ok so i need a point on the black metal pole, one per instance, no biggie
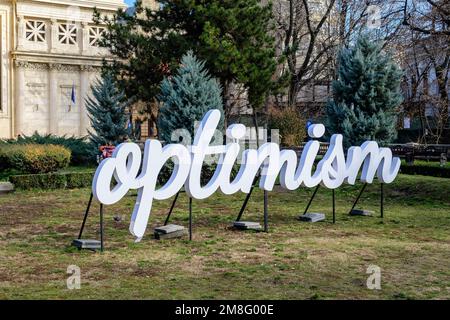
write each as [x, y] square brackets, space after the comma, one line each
[334, 206]
[171, 208]
[244, 205]
[266, 211]
[382, 200]
[190, 219]
[312, 198]
[357, 198]
[101, 227]
[85, 215]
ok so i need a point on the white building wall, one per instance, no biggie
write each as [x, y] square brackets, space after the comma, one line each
[36, 113]
[48, 48]
[5, 70]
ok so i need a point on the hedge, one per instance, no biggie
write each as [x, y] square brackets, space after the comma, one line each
[426, 170]
[52, 180]
[34, 158]
[82, 151]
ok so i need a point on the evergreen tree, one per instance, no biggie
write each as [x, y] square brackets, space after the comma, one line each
[107, 112]
[366, 95]
[233, 37]
[186, 97]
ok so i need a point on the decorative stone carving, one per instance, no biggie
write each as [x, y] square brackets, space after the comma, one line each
[21, 64]
[89, 68]
[35, 30]
[63, 67]
[95, 34]
[67, 33]
[55, 66]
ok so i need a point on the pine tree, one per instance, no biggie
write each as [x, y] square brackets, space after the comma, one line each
[107, 112]
[186, 97]
[366, 95]
[234, 38]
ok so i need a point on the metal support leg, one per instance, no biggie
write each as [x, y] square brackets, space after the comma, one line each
[190, 219]
[381, 200]
[334, 206]
[312, 198]
[85, 216]
[101, 227]
[357, 198]
[171, 208]
[244, 205]
[266, 211]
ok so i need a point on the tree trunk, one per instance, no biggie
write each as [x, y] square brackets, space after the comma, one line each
[444, 96]
[226, 103]
[342, 21]
[292, 94]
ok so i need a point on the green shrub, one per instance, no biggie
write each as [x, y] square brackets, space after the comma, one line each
[79, 179]
[426, 169]
[34, 158]
[81, 150]
[291, 126]
[52, 180]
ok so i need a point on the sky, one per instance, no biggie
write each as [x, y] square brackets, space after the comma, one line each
[129, 2]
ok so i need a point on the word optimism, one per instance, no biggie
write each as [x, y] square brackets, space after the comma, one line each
[332, 171]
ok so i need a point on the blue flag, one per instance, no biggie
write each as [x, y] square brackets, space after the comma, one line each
[73, 94]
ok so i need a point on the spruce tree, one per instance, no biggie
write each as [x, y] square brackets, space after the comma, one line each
[186, 97]
[107, 111]
[366, 95]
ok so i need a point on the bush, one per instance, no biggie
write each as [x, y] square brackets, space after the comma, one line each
[426, 169]
[81, 150]
[291, 126]
[52, 180]
[34, 158]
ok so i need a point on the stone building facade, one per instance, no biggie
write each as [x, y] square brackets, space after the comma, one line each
[49, 58]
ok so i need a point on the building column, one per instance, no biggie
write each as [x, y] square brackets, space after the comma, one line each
[20, 32]
[84, 87]
[20, 97]
[53, 98]
[53, 35]
[84, 38]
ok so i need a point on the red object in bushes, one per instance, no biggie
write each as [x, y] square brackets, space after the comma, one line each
[107, 151]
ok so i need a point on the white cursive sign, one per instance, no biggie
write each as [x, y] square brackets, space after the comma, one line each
[332, 171]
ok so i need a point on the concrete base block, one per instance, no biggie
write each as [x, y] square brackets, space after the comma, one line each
[247, 225]
[169, 228]
[6, 187]
[87, 244]
[169, 232]
[172, 235]
[312, 217]
[361, 212]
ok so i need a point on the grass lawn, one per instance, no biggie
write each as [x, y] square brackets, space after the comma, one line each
[294, 260]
